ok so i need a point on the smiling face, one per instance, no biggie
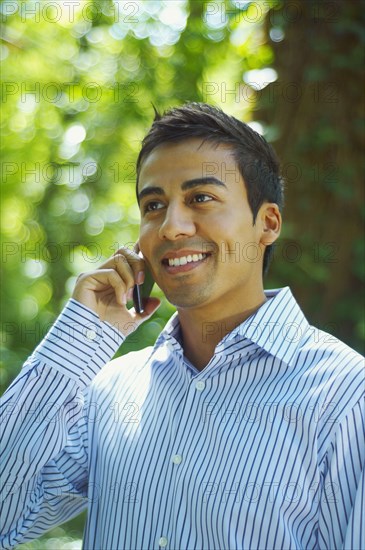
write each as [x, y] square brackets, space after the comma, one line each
[197, 233]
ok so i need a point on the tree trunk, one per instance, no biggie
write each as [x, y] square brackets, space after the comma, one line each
[314, 109]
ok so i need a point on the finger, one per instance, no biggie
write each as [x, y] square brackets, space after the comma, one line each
[136, 262]
[140, 274]
[150, 306]
[120, 264]
[104, 279]
[127, 257]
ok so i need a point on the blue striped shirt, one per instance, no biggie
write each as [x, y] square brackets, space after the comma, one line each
[262, 449]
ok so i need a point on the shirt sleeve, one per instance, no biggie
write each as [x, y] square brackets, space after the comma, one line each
[43, 419]
[342, 503]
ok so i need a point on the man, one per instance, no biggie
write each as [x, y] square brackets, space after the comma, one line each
[241, 427]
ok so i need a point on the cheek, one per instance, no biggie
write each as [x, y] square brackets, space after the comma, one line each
[147, 234]
[231, 227]
[143, 240]
[235, 237]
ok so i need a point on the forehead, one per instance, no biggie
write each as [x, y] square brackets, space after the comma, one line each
[188, 159]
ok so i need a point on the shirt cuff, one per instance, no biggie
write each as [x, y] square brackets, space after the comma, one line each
[78, 344]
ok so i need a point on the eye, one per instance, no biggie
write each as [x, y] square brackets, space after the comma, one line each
[152, 206]
[202, 197]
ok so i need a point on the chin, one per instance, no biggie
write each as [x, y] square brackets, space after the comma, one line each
[185, 299]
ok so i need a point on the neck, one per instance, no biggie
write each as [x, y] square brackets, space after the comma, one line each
[203, 328]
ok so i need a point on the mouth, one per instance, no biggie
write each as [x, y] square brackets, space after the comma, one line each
[185, 263]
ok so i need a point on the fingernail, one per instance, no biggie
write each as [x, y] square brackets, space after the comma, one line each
[130, 294]
[124, 298]
[140, 277]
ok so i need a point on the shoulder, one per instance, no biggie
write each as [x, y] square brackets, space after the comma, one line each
[333, 370]
[121, 371]
[320, 348]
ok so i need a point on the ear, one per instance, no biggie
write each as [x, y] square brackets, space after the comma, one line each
[270, 218]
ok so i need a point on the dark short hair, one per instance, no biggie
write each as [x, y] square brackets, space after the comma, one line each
[255, 158]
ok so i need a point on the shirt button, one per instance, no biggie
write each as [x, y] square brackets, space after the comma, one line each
[200, 385]
[170, 347]
[163, 542]
[90, 334]
[177, 459]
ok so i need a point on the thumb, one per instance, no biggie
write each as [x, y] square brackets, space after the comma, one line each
[150, 306]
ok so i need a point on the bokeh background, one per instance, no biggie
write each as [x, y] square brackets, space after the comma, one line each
[78, 82]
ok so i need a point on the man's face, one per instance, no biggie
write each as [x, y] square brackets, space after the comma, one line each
[195, 215]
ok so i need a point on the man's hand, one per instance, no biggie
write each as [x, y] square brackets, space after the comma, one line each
[107, 290]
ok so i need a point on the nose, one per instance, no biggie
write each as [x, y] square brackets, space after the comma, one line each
[178, 222]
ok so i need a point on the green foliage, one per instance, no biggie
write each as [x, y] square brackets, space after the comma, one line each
[77, 100]
[77, 96]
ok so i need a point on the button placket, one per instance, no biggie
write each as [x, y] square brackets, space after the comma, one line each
[200, 385]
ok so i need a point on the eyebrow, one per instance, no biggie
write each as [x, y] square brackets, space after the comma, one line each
[189, 184]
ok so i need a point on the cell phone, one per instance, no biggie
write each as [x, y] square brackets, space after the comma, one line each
[142, 292]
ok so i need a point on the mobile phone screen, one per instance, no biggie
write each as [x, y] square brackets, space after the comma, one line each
[142, 292]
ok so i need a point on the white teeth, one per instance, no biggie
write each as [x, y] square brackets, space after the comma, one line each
[186, 259]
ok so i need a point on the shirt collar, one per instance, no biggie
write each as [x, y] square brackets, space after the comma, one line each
[278, 327]
[171, 330]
